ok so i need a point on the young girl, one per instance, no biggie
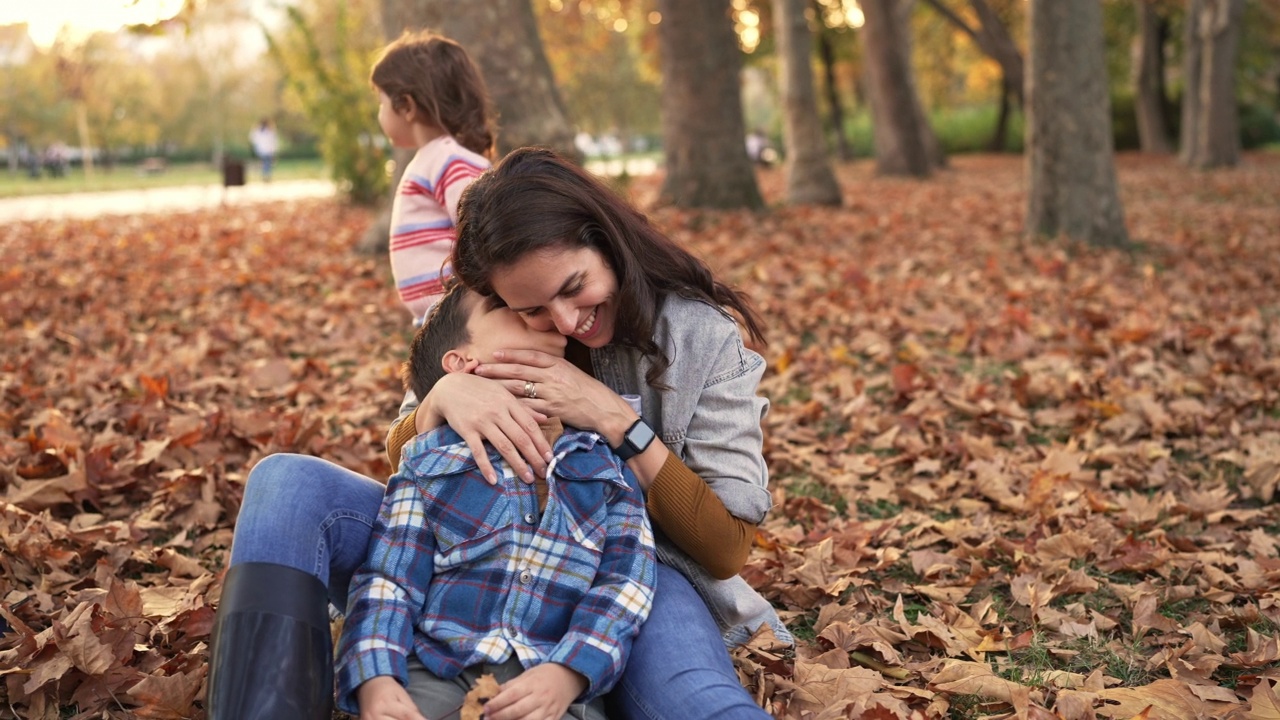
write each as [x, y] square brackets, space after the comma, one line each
[430, 97]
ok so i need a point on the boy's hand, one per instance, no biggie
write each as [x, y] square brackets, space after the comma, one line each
[543, 692]
[383, 698]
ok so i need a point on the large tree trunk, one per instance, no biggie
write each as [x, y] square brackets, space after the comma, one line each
[1070, 155]
[1148, 72]
[1211, 138]
[502, 37]
[809, 177]
[897, 123]
[702, 127]
[827, 55]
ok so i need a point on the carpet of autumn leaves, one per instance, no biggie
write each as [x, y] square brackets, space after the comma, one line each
[1014, 478]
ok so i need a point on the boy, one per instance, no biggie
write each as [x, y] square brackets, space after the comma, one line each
[543, 586]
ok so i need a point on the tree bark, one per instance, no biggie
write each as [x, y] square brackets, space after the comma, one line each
[827, 55]
[702, 127]
[809, 177]
[502, 37]
[897, 124]
[1070, 154]
[1148, 66]
[1212, 137]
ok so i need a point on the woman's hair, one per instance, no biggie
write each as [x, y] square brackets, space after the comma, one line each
[533, 200]
[437, 76]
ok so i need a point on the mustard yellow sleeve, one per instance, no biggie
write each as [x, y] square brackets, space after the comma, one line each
[684, 507]
[404, 430]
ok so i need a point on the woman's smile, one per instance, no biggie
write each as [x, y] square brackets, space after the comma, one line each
[571, 290]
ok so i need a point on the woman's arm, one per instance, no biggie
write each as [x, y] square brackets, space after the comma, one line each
[478, 410]
[723, 441]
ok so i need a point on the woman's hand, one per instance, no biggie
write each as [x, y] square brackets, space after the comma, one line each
[479, 410]
[383, 698]
[543, 692]
[562, 391]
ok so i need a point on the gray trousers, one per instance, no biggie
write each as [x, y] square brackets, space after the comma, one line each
[440, 699]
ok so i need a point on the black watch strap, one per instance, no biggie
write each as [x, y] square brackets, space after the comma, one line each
[635, 440]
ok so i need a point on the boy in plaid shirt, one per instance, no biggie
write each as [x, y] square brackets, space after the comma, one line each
[542, 585]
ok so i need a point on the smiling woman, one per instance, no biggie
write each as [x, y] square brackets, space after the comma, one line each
[51, 19]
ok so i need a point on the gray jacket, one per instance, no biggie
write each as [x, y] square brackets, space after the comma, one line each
[710, 419]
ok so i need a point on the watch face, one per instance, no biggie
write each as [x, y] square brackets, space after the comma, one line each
[640, 436]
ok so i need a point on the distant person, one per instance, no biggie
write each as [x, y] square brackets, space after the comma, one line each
[450, 590]
[758, 148]
[265, 144]
[432, 97]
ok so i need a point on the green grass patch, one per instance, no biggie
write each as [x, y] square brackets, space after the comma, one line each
[825, 494]
[128, 177]
[879, 510]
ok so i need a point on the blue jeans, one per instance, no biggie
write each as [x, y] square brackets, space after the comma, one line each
[315, 516]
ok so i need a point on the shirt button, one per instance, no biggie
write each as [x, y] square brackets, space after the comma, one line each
[526, 577]
[529, 518]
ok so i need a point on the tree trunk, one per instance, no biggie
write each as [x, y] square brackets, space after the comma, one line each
[702, 127]
[896, 122]
[809, 177]
[1148, 65]
[827, 54]
[501, 36]
[1000, 138]
[1071, 169]
[1213, 35]
[1191, 62]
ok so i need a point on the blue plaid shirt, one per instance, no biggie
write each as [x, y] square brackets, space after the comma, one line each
[461, 572]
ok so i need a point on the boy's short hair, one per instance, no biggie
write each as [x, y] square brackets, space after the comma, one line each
[444, 329]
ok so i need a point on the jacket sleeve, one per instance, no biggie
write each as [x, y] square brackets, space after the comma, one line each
[388, 594]
[606, 620]
[403, 428]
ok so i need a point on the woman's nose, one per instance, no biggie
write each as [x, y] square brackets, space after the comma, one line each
[565, 317]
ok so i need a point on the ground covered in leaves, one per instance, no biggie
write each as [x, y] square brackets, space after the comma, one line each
[1013, 477]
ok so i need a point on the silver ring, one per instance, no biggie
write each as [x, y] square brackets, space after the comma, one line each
[530, 390]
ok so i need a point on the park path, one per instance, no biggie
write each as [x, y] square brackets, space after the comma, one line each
[154, 200]
[194, 197]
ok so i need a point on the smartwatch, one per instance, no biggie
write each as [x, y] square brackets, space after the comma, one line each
[635, 441]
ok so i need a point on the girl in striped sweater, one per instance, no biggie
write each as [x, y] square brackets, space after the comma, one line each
[432, 97]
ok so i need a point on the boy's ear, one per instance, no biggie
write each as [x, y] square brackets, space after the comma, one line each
[453, 361]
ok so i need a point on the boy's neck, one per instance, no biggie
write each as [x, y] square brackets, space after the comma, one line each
[423, 134]
[552, 429]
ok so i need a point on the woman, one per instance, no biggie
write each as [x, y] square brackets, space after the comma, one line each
[559, 247]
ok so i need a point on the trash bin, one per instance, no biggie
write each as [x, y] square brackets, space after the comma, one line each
[232, 172]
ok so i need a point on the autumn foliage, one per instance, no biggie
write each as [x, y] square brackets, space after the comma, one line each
[1013, 477]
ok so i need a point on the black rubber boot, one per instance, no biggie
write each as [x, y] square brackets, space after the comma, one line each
[271, 656]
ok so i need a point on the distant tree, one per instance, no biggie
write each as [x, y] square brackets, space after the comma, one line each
[703, 131]
[1148, 77]
[825, 41]
[993, 38]
[331, 85]
[618, 90]
[1210, 119]
[905, 143]
[1070, 158]
[809, 176]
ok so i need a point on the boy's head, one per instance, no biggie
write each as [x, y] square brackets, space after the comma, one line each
[462, 331]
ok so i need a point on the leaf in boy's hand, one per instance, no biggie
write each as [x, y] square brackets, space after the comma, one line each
[485, 690]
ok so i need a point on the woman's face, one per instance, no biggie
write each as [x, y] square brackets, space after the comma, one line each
[570, 290]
